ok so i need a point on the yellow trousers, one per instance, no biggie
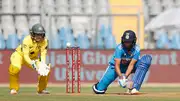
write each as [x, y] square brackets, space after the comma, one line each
[15, 67]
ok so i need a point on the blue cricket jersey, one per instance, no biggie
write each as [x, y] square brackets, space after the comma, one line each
[125, 56]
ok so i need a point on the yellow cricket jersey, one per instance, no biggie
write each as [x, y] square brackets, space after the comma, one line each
[31, 49]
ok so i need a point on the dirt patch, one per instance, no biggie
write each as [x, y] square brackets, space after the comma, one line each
[163, 95]
[152, 94]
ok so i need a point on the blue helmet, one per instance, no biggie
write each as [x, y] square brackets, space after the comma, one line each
[129, 36]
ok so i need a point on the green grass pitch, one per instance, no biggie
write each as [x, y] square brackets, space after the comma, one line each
[113, 94]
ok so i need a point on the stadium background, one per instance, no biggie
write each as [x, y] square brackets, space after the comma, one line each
[96, 26]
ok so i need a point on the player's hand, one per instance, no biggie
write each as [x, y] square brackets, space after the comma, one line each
[43, 69]
[122, 81]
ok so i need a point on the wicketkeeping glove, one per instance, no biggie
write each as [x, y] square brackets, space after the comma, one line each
[43, 69]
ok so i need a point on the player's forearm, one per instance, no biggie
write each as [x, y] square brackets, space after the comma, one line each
[130, 67]
[117, 69]
[27, 59]
[129, 70]
[43, 55]
[43, 58]
[26, 54]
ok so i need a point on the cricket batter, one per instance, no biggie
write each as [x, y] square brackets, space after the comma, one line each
[27, 54]
[125, 64]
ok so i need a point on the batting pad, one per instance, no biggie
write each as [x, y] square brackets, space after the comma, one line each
[142, 67]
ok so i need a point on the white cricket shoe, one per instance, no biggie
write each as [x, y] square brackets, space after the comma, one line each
[134, 91]
[44, 92]
[13, 92]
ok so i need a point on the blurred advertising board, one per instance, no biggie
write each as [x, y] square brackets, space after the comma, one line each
[165, 66]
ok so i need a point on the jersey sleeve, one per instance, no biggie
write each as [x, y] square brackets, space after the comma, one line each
[136, 55]
[25, 50]
[44, 51]
[118, 52]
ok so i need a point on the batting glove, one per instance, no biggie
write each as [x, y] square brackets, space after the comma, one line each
[122, 81]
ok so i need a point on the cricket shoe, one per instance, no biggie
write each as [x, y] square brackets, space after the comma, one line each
[134, 91]
[13, 92]
[44, 92]
[128, 91]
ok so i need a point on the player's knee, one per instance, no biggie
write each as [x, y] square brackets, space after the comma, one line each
[145, 62]
[96, 91]
[146, 59]
[13, 70]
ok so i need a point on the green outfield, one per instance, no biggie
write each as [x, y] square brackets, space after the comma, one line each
[113, 94]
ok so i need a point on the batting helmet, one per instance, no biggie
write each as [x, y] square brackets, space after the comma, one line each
[129, 36]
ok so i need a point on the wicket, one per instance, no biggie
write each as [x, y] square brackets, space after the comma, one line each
[76, 64]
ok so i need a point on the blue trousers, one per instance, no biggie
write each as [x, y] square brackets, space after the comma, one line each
[109, 76]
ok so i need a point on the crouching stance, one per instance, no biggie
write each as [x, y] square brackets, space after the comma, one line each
[126, 65]
[27, 54]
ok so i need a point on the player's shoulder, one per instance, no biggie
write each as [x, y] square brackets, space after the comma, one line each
[44, 42]
[137, 48]
[27, 39]
[119, 47]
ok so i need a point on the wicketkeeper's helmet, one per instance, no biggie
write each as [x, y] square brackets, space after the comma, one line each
[37, 29]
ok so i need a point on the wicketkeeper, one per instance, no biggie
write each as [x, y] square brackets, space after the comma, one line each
[32, 53]
[126, 65]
